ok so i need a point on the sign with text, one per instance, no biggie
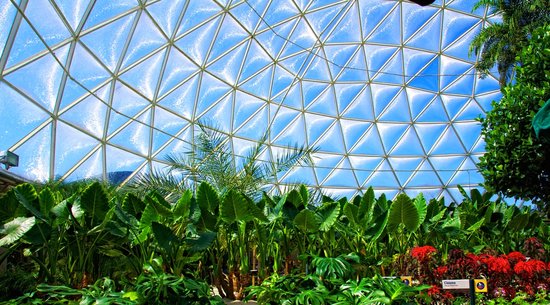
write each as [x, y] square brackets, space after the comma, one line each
[456, 284]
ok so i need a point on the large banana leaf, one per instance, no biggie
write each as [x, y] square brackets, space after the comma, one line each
[15, 229]
[422, 208]
[307, 221]
[95, 204]
[403, 211]
[366, 206]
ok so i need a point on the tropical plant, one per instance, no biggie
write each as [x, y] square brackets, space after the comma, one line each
[500, 43]
[517, 163]
[212, 160]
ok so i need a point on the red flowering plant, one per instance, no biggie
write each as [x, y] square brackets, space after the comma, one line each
[423, 263]
[532, 275]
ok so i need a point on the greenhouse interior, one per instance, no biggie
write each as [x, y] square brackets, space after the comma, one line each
[275, 152]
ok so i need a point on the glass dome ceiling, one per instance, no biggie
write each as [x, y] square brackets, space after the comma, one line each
[384, 88]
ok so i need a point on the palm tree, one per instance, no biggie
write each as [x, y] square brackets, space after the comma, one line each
[500, 43]
[212, 160]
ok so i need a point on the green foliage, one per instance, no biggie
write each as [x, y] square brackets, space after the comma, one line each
[517, 163]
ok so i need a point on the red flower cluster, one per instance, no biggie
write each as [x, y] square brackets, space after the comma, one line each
[530, 268]
[498, 265]
[422, 254]
[515, 257]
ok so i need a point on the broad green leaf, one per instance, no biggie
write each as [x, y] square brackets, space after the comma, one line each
[202, 242]
[10, 207]
[438, 216]
[234, 208]
[378, 226]
[421, 207]
[207, 197]
[182, 208]
[403, 211]
[161, 207]
[148, 216]
[307, 221]
[15, 229]
[329, 214]
[295, 198]
[255, 210]
[304, 193]
[95, 204]
[366, 206]
[164, 236]
[133, 205]
[39, 234]
[47, 201]
[519, 222]
[26, 194]
[476, 226]
[351, 212]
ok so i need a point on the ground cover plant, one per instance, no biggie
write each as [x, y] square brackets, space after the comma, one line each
[97, 243]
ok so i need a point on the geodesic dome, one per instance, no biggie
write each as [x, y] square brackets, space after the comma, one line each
[384, 88]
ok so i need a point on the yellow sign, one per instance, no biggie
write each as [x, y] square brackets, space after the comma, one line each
[480, 285]
[407, 280]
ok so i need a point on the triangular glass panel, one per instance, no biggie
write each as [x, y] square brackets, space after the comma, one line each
[398, 110]
[337, 56]
[166, 14]
[281, 81]
[325, 103]
[479, 147]
[322, 21]
[283, 11]
[453, 104]
[121, 160]
[197, 12]
[428, 37]
[435, 112]
[18, 116]
[408, 145]
[71, 146]
[392, 72]
[382, 96]
[361, 108]
[178, 68]
[454, 25]
[466, 6]
[372, 15]
[300, 175]
[51, 29]
[302, 38]
[446, 166]
[273, 39]
[369, 144]
[249, 14]
[86, 70]
[428, 78]
[145, 76]
[178, 145]
[259, 84]
[377, 56]
[460, 48]
[291, 97]
[469, 133]
[211, 90]
[197, 43]
[298, 62]
[348, 28]
[221, 113]
[311, 90]
[316, 126]
[91, 168]
[325, 163]
[388, 32]
[383, 177]
[418, 101]
[294, 133]
[486, 85]
[105, 10]
[73, 11]
[167, 126]
[364, 166]
[8, 15]
[356, 70]
[404, 168]
[182, 99]
[467, 175]
[245, 106]
[229, 66]
[416, 17]
[464, 85]
[230, 34]
[71, 93]
[331, 140]
[391, 133]
[449, 143]
[342, 176]
[40, 79]
[424, 176]
[114, 35]
[471, 111]
[26, 45]
[353, 131]
[146, 38]
[318, 69]
[281, 117]
[256, 60]
[429, 134]
[36, 150]
[135, 136]
[346, 94]
[485, 101]
[89, 114]
[414, 61]
[451, 69]
[255, 127]
[241, 149]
